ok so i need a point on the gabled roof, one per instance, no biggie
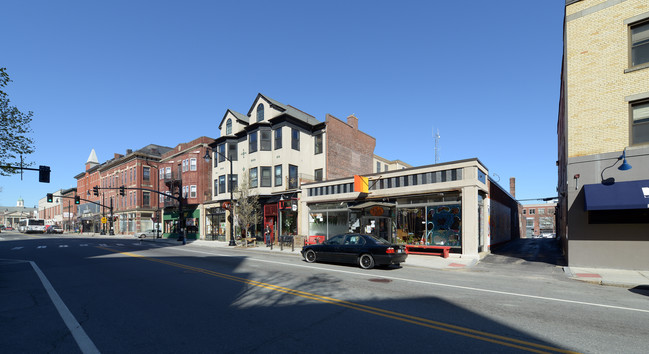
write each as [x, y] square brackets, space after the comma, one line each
[287, 109]
[238, 116]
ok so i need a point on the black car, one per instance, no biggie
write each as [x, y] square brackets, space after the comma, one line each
[364, 250]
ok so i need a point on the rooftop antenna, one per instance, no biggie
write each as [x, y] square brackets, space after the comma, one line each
[436, 137]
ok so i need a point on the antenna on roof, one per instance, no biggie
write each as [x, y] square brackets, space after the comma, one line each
[436, 137]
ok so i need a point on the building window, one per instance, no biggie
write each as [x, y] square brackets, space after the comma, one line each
[264, 140]
[252, 142]
[318, 144]
[221, 184]
[292, 177]
[318, 174]
[278, 175]
[146, 174]
[260, 112]
[278, 138]
[168, 173]
[640, 44]
[161, 173]
[228, 127]
[524, 211]
[235, 183]
[265, 176]
[532, 211]
[295, 139]
[216, 187]
[232, 153]
[221, 152]
[192, 164]
[253, 177]
[192, 191]
[146, 199]
[541, 211]
[640, 124]
[378, 166]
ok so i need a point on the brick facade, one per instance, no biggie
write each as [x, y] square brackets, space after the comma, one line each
[349, 150]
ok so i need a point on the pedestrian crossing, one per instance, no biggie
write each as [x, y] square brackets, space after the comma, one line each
[65, 245]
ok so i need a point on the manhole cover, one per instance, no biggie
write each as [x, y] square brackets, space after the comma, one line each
[380, 280]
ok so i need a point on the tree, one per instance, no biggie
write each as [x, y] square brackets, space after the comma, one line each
[14, 130]
[247, 207]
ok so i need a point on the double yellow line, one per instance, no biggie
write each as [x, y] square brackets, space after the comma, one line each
[423, 322]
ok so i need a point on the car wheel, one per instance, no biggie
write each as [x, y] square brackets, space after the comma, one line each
[143, 236]
[366, 261]
[309, 256]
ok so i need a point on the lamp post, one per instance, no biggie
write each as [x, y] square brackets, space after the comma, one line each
[207, 158]
[157, 209]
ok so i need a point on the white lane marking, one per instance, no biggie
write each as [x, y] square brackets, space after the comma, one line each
[430, 283]
[16, 248]
[63, 246]
[120, 244]
[83, 245]
[103, 245]
[83, 341]
[41, 247]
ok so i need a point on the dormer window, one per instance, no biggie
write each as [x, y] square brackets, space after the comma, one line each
[260, 112]
[228, 127]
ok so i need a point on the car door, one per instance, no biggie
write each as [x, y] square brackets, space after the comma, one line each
[351, 248]
[330, 249]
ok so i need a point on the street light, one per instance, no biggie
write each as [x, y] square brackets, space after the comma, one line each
[207, 158]
[623, 167]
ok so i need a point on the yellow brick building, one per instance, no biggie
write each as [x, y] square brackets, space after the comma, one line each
[603, 216]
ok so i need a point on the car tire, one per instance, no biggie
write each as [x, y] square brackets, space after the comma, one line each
[310, 256]
[143, 236]
[366, 261]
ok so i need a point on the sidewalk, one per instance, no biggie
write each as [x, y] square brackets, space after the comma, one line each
[610, 277]
[436, 262]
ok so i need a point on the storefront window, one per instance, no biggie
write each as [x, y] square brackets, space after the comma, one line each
[444, 225]
[411, 225]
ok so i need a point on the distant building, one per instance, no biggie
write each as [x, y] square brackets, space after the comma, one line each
[603, 123]
[11, 215]
[539, 219]
[382, 165]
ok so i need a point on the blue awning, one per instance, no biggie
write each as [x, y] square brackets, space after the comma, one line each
[617, 196]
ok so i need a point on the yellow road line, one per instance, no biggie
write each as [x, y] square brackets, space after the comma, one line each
[462, 331]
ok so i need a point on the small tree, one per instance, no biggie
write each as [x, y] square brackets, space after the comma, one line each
[14, 127]
[247, 206]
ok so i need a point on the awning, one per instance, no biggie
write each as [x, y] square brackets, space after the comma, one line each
[617, 196]
[372, 204]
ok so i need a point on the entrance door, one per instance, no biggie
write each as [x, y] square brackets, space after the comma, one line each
[377, 226]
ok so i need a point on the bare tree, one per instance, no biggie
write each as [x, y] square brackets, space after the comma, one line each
[248, 209]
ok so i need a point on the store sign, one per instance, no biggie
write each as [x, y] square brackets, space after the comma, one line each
[376, 211]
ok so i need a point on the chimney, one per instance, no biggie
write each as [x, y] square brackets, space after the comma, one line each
[353, 121]
[129, 151]
[512, 186]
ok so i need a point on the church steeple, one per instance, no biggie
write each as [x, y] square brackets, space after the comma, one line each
[92, 160]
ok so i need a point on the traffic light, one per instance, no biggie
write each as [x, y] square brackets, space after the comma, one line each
[77, 200]
[44, 174]
[95, 190]
[121, 191]
[50, 197]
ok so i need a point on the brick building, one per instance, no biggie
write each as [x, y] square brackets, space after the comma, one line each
[603, 128]
[184, 169]
[277, 147]
[539, 219]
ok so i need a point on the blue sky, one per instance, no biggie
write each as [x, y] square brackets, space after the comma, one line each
[117, 75]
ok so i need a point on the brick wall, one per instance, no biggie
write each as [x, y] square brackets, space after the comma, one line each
[349, 150]
[597, 51]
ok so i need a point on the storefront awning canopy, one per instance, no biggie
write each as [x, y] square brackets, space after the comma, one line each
[371, 204]
[617, 196]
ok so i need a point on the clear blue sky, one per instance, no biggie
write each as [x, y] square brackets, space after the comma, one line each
[117, 75]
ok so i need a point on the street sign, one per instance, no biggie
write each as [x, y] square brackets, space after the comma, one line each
[104, 220]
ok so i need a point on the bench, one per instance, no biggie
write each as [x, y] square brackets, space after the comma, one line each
[250, 240]
[432, 250]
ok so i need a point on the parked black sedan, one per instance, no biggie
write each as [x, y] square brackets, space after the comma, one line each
[364, 250]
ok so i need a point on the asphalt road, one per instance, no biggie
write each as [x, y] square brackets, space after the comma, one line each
[124, 295]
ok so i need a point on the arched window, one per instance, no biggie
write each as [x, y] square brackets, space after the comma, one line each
[228, 127]
[260, 112]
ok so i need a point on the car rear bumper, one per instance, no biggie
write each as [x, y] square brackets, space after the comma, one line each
[390, 258]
